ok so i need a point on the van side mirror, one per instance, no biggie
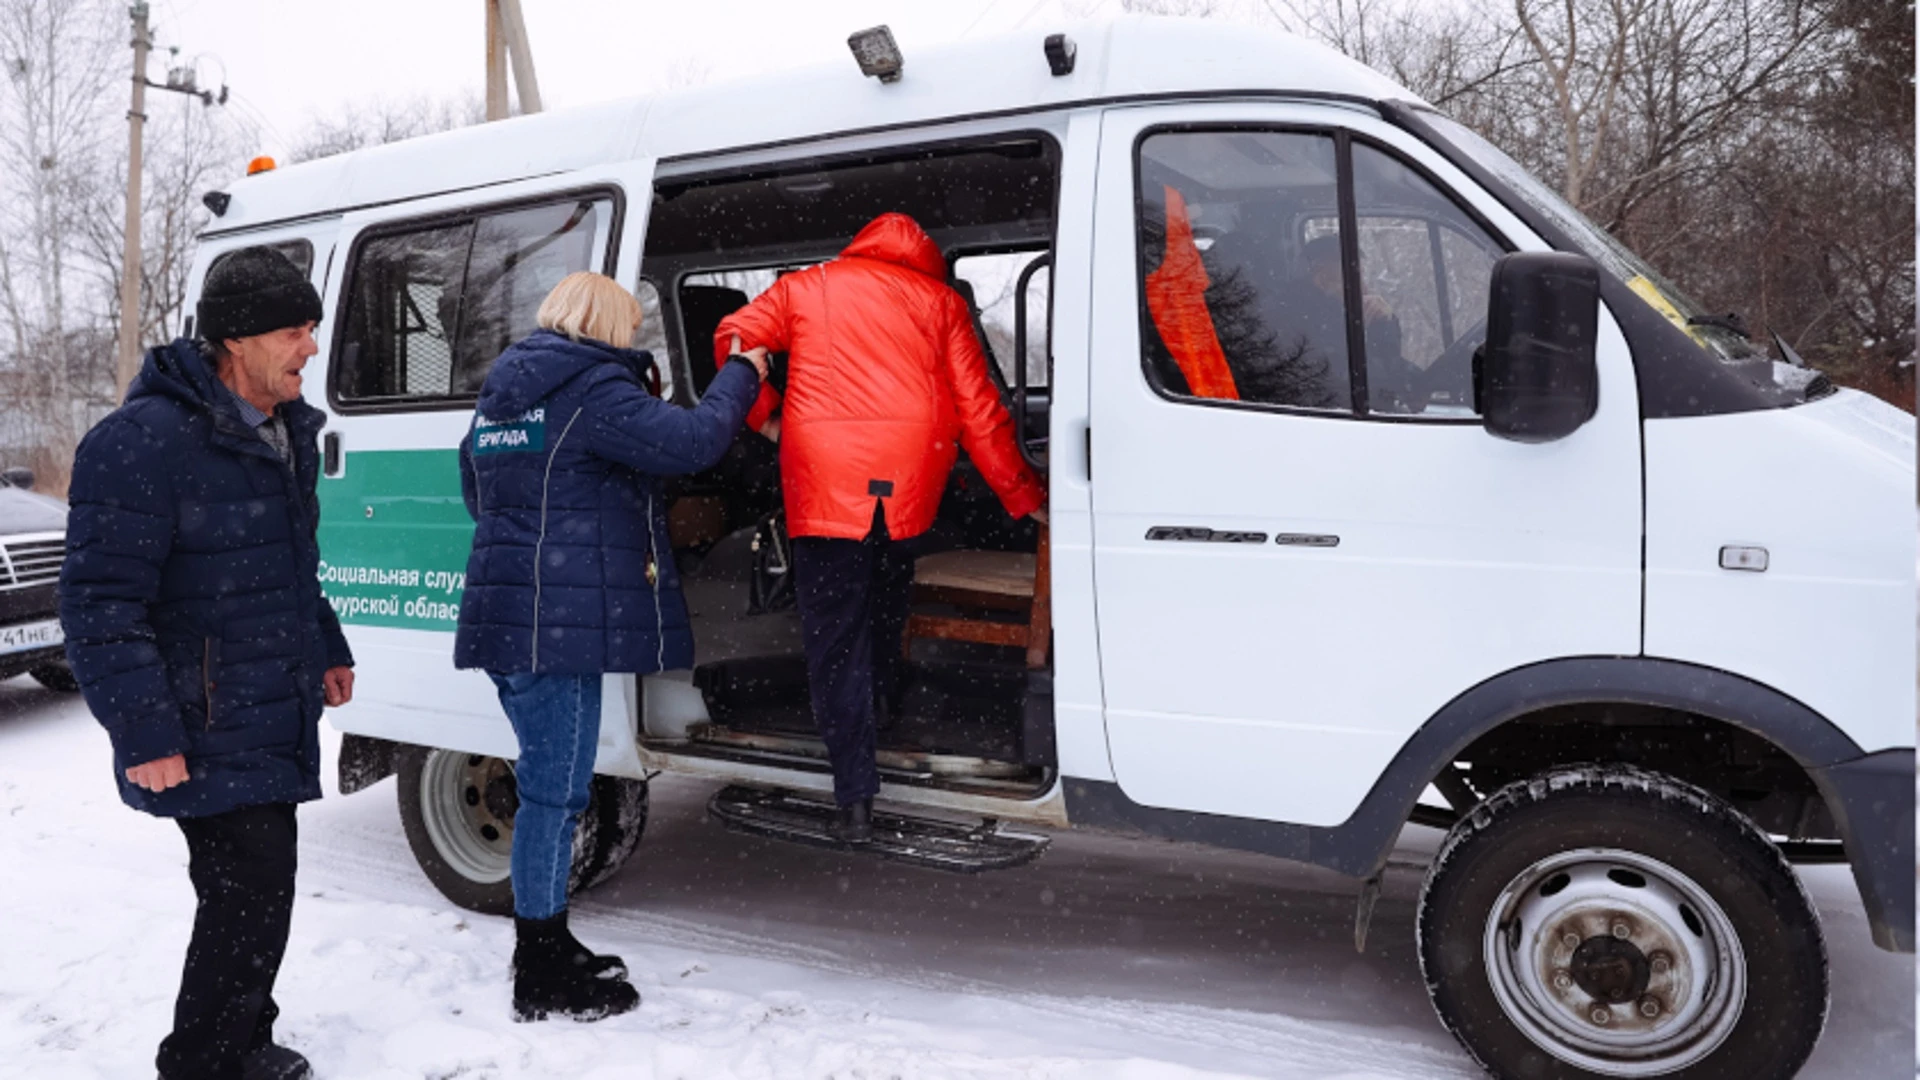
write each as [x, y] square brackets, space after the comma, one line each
[1536, 380]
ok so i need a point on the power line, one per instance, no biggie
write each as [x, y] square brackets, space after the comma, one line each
[1031, 12]
[991, 4]
[257, 116]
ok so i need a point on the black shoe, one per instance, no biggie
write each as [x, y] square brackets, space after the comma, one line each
[553, 975]
[853, 824]
[275, 1062]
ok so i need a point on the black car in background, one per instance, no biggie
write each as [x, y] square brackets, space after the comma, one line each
[33, 541]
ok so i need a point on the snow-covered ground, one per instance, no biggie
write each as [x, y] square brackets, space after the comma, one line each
[1105, 959]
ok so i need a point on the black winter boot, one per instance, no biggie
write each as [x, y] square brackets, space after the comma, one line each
[553, 975]
[275, 1062]
[853, 824]
[600, 965]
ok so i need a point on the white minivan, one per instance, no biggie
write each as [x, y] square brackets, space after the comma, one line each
[1384, 488]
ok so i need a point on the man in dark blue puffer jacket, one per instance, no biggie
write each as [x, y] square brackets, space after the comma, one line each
[191, 602]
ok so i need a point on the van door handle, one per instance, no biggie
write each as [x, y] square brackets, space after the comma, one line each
[332, 462]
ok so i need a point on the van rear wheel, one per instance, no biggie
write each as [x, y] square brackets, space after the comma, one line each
[458, 810]
[1606, 921]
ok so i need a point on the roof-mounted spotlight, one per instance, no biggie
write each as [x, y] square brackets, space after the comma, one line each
[217, 201]
[876, 53]
[1060, 54]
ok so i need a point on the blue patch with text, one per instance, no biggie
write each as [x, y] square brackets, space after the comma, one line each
[528, 431]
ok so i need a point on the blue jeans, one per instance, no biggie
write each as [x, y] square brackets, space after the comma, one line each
[557, 719]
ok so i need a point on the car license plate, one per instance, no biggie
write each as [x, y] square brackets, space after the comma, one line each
[33, 635]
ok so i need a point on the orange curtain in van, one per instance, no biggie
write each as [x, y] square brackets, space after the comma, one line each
[1177, 301]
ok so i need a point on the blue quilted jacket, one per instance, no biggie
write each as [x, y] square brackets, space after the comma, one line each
[191, 596]
[571, 570]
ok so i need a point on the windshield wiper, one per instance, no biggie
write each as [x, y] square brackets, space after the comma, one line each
[1730, 322]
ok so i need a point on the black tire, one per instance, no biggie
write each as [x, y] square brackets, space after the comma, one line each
[449, 800]
[1619, 839]
[56, 676]
[619, 818]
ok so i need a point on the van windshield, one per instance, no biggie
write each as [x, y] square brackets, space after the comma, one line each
[1595, 242]
[1779, 383]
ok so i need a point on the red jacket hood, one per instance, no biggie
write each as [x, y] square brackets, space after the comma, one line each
[898, 239]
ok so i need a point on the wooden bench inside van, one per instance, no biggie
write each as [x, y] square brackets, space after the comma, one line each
[1004, 598]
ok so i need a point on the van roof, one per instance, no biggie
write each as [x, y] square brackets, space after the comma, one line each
[1117, 59]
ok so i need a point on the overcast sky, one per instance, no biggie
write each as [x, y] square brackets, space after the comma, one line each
[290, 61]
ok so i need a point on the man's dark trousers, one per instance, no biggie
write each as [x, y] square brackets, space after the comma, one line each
[853, 597]
[242, 865]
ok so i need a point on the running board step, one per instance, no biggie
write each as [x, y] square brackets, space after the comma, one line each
[938, 845]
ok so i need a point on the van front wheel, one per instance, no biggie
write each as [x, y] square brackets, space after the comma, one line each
[1605, 921]
[458, 810]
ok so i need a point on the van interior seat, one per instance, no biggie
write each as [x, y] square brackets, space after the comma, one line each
[701, 309]
[999, 377]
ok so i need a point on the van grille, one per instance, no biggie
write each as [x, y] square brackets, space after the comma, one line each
[31, 561]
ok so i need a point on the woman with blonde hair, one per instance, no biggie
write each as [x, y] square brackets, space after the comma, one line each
[571, 577]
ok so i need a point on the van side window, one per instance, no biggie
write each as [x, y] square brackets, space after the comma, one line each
[1240, 303]
[703, 300]
[428, 308]
[298, 251]
[653, 334]
[988, 282]
[1427, 266]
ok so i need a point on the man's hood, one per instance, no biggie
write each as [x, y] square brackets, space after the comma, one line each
[177, 370]
[180, 370]
[898, 239]
[542, 362]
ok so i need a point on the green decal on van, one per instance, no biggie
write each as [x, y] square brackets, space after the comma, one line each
[394, 538]
[528, 431]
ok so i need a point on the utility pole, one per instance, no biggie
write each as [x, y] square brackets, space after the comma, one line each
[507, 38]
[496, 64]
[181, 81]
[128, 363]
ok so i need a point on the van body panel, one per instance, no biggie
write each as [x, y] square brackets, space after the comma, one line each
[1830, 621]
[460, 710]
[1276, 682]
[394, 531]
[406, 689]
[1002, 74]
[1359, 846]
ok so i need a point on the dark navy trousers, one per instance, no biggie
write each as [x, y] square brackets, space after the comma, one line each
[853, 597]
[242, 865]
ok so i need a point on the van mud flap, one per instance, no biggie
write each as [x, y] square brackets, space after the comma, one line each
[938, 845]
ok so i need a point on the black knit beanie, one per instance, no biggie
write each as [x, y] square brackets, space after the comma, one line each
[253, 291]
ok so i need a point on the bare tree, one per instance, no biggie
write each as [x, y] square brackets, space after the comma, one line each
[378, 121]
[190, 150]
[57, 56]
[1759, 152]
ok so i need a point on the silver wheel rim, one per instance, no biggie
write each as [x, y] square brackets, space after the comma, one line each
[1615, 962]
[467, 832]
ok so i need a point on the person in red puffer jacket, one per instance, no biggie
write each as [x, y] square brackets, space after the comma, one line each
[885, 381]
